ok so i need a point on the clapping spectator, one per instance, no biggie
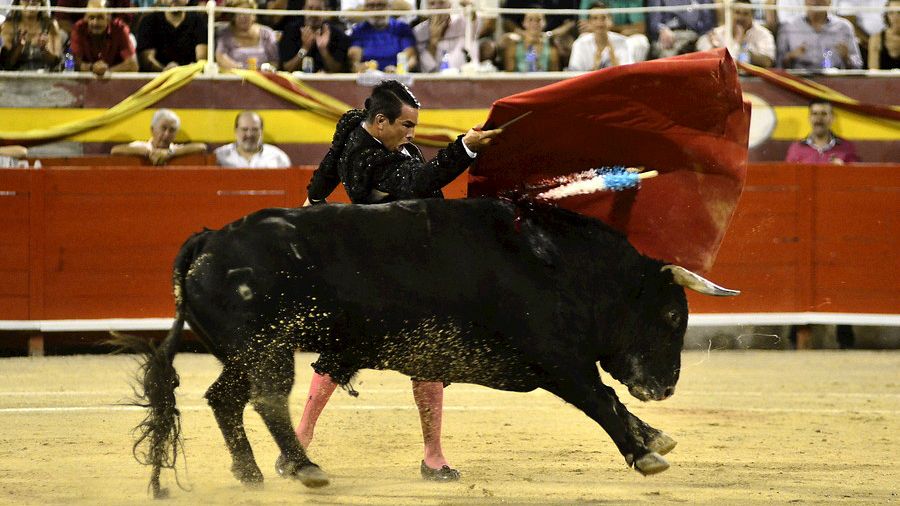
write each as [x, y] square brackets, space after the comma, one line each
[101, 43]
[379, 39]
[866, 23]
[441, 40]
[314, 37]
[818, 41]
[676, 32]
[751, 42]
[31, 38]
[161, 147]
[884, 47]
[599, 48]
[633, 25]
[531, 50]
[244, 43]
[172, 38]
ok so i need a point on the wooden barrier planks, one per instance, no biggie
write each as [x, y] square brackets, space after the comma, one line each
[91, 242]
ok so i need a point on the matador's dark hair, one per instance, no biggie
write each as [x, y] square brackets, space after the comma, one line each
[388, 98]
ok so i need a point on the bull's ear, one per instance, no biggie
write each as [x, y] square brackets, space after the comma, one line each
[697, 282]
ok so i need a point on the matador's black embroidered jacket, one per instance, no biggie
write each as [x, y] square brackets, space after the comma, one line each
[363, 164]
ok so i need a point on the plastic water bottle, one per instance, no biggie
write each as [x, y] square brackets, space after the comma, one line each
[68, 62]
[827, 61]
[445, 63]
[744, 55]
[531, 59]
[402, 63]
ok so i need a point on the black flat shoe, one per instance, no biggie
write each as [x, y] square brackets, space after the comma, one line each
[445, 473]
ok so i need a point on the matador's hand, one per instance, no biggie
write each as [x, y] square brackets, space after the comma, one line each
[476, 138]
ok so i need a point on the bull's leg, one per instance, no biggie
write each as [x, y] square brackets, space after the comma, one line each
[227, 397]
[271, 381]
[654, 439]
[582, 388]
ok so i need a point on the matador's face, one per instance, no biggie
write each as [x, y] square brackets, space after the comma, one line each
[401, 131]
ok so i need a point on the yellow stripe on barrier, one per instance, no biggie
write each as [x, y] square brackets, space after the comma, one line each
[306, 127]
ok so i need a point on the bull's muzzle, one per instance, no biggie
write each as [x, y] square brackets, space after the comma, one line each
[651, 394]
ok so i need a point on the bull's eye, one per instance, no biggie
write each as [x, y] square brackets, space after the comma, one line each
[673, 316]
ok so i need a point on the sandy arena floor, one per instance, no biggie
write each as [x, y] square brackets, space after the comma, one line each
[753, 428]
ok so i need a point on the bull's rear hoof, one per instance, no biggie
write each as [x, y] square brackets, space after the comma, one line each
[652, 463]
[662, 443]
[312, 476]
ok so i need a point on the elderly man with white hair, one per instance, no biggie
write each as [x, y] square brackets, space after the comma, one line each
[161, 147]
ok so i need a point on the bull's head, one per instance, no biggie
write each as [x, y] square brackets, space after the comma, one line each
[650, 361]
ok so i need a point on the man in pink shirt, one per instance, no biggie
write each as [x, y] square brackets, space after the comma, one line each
[102, 44]
[822, 146]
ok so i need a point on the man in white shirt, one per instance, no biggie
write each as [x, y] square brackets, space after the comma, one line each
[599, 48]
[248, 150]
[441, 40]
[161, 147]
[751, 42]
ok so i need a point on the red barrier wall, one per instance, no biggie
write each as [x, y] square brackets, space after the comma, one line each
[98, 241]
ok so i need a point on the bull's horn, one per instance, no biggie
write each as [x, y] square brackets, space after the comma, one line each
[697, 282]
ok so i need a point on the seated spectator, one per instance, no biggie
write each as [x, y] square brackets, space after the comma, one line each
[822, 146]
[751, 41]
[67, 20]
[632, 25]
[441, 40]
[562, 27]
[599, 48]
[161, 147]
[101, 43]
[884, 47]
[818, 41]
[244, 43]
[676, 32]
[379, 39]
[532, 49]
[865, 23]
[786, 12]
[314, 37]
[556, 23]
[248, 150]
[170, 39]
[31, 38]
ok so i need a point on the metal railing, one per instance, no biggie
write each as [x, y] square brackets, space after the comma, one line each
[469, 11]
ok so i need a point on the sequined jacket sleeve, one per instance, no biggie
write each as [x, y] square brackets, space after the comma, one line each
[326, 178]
[366, 165]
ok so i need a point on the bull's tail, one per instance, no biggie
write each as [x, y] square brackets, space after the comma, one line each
[158, 437]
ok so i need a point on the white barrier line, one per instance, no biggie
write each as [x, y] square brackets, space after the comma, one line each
[104, 409]
[818, 411]
[197, 394]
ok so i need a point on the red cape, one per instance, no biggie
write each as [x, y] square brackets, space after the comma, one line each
[683, 116]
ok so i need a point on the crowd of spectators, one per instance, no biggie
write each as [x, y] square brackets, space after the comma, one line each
[794, 34]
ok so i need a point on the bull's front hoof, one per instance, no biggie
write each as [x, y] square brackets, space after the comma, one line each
[651, 463]
[312, 476]
[249, 475]
[309, 474]
[662, 443]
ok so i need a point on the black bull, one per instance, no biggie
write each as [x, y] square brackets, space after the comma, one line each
[474, 291]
